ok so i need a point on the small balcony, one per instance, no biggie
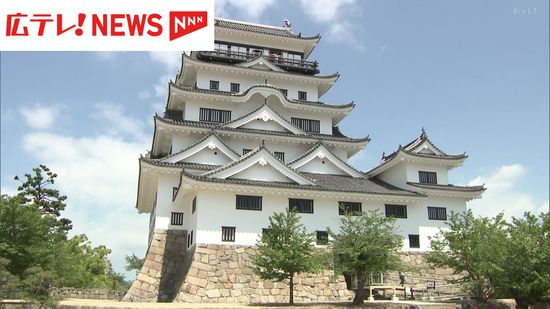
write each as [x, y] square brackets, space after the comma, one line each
[290, 65]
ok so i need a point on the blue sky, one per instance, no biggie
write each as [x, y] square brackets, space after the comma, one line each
[474, 74]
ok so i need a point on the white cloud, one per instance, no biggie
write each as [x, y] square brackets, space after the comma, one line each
[99, 176]
[117, 122]
[252, 9]
[107, 55]
[39, 116]
[171, 60]
[502, 194]
[323, 11]
[338, 15]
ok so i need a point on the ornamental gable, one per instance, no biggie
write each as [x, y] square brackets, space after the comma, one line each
[208, 150]
[321, 160]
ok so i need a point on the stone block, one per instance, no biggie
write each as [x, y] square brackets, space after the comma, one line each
[236, 293]
[197, 281]
[213, 293]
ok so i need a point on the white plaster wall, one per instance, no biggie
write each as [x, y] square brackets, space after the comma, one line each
[181, 141]
[209, 156]
[291, 150]
[240, 109]
[249, 223]
[397, 175]
[263, 173]
[269, 125]
[164, 201]
[413, 168]
[321, 166]
[226, 78]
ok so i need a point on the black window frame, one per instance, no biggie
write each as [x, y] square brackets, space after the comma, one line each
[176, 218]
[344, 207]
[280, 155]
[391, 211]
[321, 238]
[174, 193]
[248, 202]
[228, 233]
[284, 91]
[308, 125]
[235, 87]
[214, 85]
[302, 95]
[303, 206]
[414, 241]
[194, 205]
[437, 213]
[427, 177]
[214, 115]
[246, 150]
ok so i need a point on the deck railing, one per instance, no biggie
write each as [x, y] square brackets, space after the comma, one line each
[275, 59]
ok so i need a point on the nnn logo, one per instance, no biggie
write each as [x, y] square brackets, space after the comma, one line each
[182, 23]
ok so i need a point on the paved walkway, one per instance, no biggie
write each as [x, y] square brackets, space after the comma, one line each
[110, 304]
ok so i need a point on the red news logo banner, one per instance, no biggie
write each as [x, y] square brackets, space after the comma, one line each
[107, 25]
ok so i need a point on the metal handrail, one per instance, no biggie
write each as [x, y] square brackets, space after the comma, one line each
[273, 58]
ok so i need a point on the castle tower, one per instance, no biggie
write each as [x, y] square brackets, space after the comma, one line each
[245, 134]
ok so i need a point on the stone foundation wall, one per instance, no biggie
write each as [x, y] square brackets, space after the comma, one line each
[86, 293]
[221, 273]
[165, 267]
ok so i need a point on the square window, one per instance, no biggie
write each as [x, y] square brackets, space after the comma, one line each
[228, 233]
[322, 237]
[248, 202]
[177, 218]
[414, 241]
[245, 151]
[352, 208]
[300, 205]
[437, 213]
[302, 95]
[427, 177]
[214, 85]
[396, 211]
[308, 125]
[235, 87]
[284, 91]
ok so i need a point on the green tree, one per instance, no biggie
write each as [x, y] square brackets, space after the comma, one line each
[366, 243]
[134, 263]
[526, 269]
[286, 249]
[36, 190]
[474, 248]
[35, 251]
[25, 236]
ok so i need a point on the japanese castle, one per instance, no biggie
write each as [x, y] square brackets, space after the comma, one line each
[245, 133]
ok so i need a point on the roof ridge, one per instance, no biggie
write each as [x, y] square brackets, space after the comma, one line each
[207, 125]
[245, 92]
[272, 110]
[200, 141]
[321, 144]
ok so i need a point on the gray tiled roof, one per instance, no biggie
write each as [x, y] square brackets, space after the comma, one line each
[323, 182]
[264, 29]
[312, 149]
[217, 127]
[200, 141]
[184, 165]
[241, 94]
[447, 187]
